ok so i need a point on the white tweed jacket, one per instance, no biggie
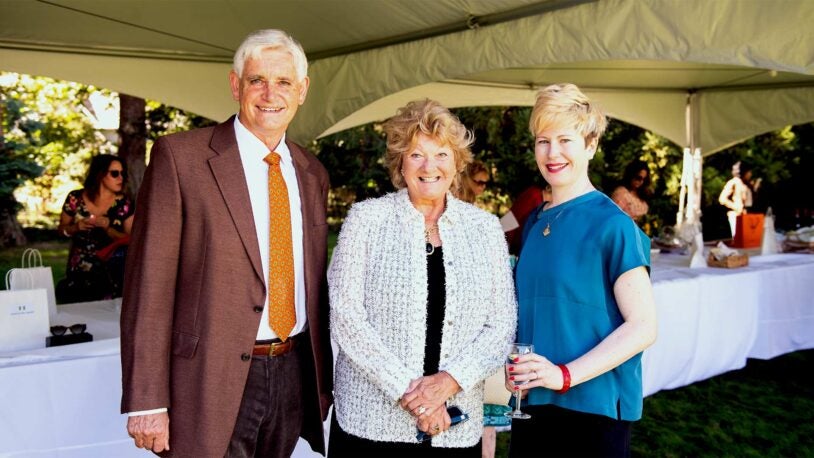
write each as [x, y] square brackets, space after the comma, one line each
[378, 294]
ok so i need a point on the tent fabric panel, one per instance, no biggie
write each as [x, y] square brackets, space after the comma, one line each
[199, 87]
[768, 110]
[663, 112]
[720, 32]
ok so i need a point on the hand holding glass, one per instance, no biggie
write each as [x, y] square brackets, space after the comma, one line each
[515, 350]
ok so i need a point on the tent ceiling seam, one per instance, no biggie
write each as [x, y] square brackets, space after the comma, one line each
[130, 24]
[16, 46]
[468, 23]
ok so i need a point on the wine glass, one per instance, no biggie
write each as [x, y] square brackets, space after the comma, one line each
[515, 350]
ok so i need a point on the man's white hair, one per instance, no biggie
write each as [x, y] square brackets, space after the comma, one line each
[270, 38]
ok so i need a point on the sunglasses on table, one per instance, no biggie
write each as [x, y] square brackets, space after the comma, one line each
[77, 328]
[117, 173]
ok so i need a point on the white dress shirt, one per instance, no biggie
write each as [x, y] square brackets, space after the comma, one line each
[252, 153]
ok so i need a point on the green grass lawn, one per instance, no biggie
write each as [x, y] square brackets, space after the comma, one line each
[54, 254]
[763, 410]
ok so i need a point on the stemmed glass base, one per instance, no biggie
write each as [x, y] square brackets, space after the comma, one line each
[517, 415]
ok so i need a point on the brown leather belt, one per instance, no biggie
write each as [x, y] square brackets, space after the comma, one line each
[275, 348]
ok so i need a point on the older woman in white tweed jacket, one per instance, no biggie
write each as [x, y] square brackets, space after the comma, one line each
[422, 300]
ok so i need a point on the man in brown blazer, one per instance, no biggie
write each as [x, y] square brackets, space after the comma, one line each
[204, 373]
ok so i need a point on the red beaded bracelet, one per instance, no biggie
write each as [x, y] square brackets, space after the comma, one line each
[566, 379]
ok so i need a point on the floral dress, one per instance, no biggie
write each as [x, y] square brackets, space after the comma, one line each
[89, 277]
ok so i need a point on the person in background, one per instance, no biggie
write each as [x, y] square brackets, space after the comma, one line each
[415, 328]
[632, 195]
[736, 195]
[474, 181]
[584, 296]
[525, 203]
[224, 335]
[95, 218]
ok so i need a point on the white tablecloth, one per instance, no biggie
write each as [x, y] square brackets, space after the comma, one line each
[64, 401]
[711, 319]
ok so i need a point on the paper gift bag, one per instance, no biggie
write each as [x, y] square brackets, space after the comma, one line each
[23, 317]
[36, 276]
[748, 230]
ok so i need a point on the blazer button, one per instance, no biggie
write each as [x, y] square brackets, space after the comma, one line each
[258, 309]
[245, 357]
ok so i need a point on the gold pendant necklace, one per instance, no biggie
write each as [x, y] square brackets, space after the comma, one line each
[547, 228]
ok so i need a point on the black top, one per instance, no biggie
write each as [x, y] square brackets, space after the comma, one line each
[436, 300]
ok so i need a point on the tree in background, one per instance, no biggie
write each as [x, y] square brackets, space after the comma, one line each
[51, 130]
[48, 139]
[353, 158]
[133, 140]
[14, 170]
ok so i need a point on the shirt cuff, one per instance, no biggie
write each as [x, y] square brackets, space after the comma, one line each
[139, 413]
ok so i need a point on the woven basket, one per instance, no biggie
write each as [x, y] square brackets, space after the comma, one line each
[730, 262]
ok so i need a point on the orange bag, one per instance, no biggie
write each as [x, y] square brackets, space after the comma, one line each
[748, 230]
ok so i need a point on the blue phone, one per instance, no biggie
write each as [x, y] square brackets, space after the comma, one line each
[456, 417]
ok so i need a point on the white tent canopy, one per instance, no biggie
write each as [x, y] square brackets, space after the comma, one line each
[746, 65]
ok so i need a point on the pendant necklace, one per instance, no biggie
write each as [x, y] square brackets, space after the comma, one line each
[429, 247]
[547, 229]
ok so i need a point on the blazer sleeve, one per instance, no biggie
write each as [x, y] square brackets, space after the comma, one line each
[349, 319]
[487, 350]
[150, 284]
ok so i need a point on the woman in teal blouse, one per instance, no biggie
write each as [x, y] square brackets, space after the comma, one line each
[584, 294]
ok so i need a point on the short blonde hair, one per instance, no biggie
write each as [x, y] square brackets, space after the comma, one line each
[432, 119]
[564, 105]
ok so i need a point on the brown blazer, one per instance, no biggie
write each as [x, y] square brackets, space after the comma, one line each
[194, 290]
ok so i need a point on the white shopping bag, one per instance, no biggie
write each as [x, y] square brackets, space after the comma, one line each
[24, 323]
[38, 275]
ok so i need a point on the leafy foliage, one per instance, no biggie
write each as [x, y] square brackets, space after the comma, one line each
[48, 137]
[353, 158]
[51, 131]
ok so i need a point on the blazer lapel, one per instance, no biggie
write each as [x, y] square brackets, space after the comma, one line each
[227, 169]
[310, 192]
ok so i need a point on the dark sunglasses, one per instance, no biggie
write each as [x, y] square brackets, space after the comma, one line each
[78, 328]
[116, 173]
[639, 178]
[481, 182]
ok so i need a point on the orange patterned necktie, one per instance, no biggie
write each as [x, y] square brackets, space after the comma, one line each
[282, 316]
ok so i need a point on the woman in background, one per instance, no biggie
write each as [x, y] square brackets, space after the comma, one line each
[96, 217]
[474, 181]
[634, 192]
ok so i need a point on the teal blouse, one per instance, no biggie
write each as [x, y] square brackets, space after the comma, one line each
[565, 296]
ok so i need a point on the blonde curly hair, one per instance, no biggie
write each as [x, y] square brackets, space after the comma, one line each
[432, 119]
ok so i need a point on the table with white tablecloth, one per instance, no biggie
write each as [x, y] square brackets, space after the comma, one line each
[712, 319]
[64, 401]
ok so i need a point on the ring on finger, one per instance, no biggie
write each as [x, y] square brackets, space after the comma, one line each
[436, 428]
[421, 410]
